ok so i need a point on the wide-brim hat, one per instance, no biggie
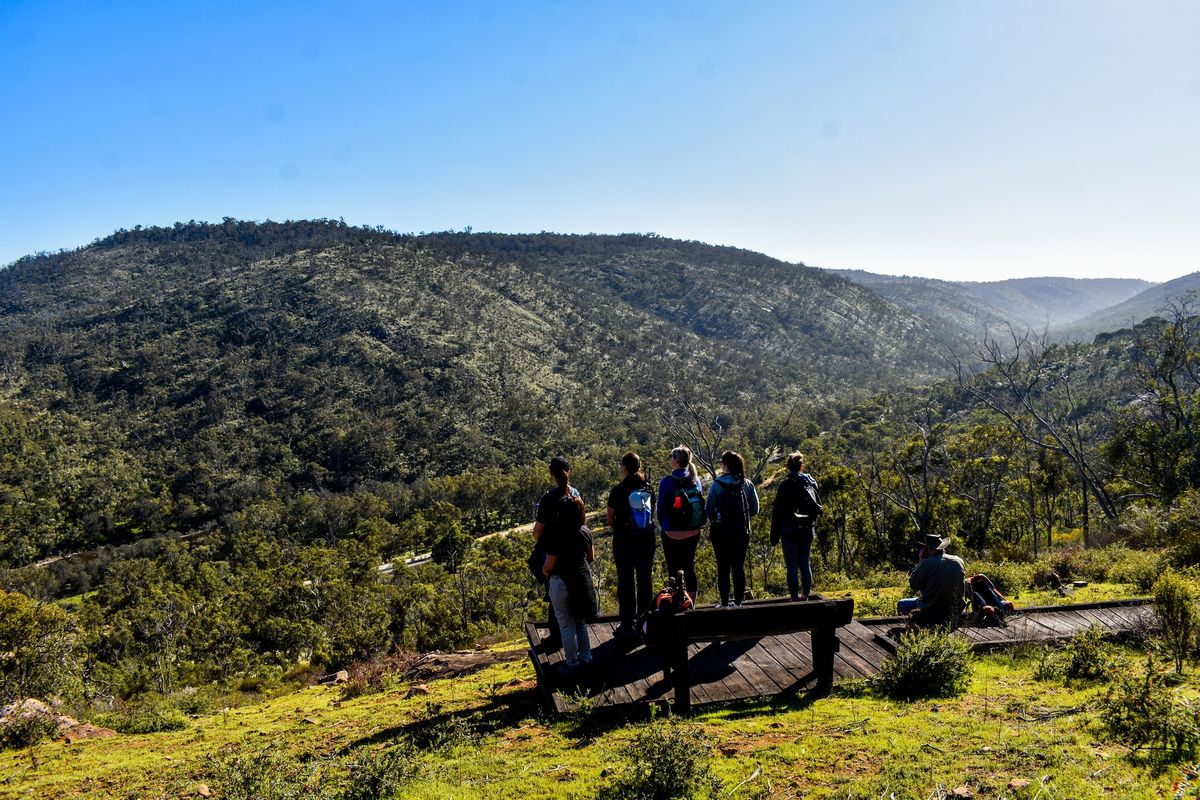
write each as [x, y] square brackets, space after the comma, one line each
[934, 542]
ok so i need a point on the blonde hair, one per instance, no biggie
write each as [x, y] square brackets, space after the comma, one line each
[683, 455]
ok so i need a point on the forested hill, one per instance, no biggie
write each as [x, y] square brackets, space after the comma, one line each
[173, 374]
[1153, 301]
[1036, 303]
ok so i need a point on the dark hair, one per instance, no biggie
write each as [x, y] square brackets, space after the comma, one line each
[795, 462]
[571, 512]
[560, 470]
[632, 463]
[734, 463]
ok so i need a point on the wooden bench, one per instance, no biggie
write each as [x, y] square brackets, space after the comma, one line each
[755, 620]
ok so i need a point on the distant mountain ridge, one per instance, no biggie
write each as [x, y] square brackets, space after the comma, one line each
[970, 307]
[1148, 303]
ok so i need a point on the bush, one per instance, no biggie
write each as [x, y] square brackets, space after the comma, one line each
[379, 775]
[1142, 711]
[149, 718]
[26, 730]
[927, 664]
[1175, 605]
[665, 761]
[1010, 577]
[1088, 657]
[267, 774]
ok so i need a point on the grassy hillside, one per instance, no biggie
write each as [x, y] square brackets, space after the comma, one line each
[482, 734]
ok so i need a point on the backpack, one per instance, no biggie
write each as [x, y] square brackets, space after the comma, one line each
[988, 606]
[670, 601]
[808, 507]
[731, 514]
[686, 511]
[641, 510]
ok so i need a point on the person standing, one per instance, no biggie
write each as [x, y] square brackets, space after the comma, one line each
[732, 501]
[793, 520]
[545, 518]
[631, 520]
[681, 515]
[568, 569]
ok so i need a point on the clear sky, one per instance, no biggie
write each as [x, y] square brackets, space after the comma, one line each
[962, 140]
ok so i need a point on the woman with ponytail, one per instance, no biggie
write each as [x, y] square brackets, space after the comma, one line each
[631, 520]
[681, 514]
[545, 519]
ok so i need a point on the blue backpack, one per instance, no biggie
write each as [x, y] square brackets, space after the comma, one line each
[641, 510]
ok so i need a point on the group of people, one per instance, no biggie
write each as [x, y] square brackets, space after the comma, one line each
[640, 515]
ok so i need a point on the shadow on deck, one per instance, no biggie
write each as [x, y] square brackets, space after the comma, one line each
[628, 673]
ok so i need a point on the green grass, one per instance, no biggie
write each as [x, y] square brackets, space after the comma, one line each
[844, 746]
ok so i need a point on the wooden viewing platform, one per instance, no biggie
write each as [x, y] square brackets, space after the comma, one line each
[628, 673]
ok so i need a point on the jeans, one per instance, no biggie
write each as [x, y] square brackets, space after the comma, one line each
[681, 555]
[907, 604]
[730, 550]
[633, 553]
[797, 547]
[577, 648]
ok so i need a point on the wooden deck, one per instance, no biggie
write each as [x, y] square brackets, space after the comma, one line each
[629, 673]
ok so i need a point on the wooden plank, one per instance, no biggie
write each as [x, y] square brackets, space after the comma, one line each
[765, 660]
[713, 669]
[847, 653]
[792, 668]
[860, 640]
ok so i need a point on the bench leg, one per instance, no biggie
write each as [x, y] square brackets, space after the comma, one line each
[680, 675]
[824, 644]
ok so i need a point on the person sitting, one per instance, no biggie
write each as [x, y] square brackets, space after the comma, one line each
[941, 580]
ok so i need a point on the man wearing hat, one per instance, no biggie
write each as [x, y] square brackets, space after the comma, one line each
[942, 581]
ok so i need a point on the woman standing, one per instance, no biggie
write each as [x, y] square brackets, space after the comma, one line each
[545, 520]
[631, 519]
[568, 566]
[681, 515]
[732, 501]
[797, 506]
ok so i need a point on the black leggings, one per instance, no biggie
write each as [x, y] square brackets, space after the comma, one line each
[730, 550]
[681, 555]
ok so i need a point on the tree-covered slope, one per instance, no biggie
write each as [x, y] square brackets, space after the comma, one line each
[970, 306]
[236, 361]
[1149, 303]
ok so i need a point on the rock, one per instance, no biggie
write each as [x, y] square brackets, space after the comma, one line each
[341, 676]
[309, 721]
[963, 791]
[83, 730]
[1079, 584]
[1018, 783]
[418, 690]
[729, 751]
[203, 790]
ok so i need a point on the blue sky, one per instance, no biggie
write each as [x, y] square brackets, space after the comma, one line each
[962, 140]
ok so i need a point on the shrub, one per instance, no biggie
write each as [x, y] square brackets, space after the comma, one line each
[927, 664]
[1144, 712]
[1175, 605]
[379, 775]
[267, 774]
[665, 761]
[1088, 657]
[144, 719]
[26, 730]
[1010, 577]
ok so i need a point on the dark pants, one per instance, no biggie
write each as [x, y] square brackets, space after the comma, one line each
[633, 553]
[797, 547]
[681, 555]
[730, 550]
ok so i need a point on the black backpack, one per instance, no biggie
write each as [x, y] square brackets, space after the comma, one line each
[731, 514]
[808, 507]
[686, 511]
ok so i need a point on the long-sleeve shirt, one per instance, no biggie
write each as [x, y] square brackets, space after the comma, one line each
[666, 493]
